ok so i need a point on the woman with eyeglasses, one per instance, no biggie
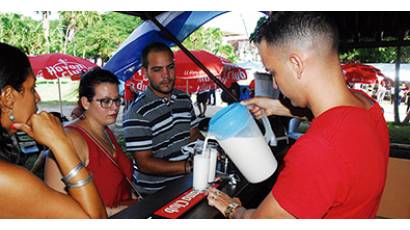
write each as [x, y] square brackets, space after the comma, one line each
[22, 194]
[96, 144]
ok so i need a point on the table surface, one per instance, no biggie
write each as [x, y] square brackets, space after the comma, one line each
[250, 194]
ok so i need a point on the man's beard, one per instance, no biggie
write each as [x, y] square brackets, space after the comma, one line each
[157, 87]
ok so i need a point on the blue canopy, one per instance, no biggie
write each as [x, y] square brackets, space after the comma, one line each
[181, 24]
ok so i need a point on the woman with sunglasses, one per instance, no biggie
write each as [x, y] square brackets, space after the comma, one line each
[95, 143]
[22, 194]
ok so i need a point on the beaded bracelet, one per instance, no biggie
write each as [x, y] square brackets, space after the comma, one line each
[73, 172]
[230, 210]
[80, 183]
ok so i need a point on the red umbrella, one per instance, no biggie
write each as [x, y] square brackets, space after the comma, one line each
[361, 73]
[190, 78]
[55, 66]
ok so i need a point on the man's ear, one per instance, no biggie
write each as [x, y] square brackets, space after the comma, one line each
[297, 64]
[7, 97]
[85, 103]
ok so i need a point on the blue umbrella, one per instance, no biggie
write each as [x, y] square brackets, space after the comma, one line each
[126, 59]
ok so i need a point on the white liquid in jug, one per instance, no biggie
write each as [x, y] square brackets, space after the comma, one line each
[252, 156]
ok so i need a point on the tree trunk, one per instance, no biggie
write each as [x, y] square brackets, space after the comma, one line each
[46, 28]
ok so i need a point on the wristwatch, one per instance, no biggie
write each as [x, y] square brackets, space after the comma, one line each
[230, 210]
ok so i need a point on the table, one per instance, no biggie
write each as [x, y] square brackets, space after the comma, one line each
[250, 194]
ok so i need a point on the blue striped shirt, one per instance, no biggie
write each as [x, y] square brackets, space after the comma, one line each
[161, 126]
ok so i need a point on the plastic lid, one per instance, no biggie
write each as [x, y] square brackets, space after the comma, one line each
[229, 121]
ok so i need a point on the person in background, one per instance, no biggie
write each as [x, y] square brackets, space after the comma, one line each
[18, 99]
[235, 89]
[96, 144]
[337, 169]
[158, 123]
[212, 97]
[201, 100]
[245, 93]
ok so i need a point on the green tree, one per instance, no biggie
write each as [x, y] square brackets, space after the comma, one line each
[211, 40]
[103, 37]
[22, 32]
[73, 22]
[375, 55]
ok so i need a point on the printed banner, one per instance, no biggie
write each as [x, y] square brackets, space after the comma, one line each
[181, 204]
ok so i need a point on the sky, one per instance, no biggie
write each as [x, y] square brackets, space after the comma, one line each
[240, 22]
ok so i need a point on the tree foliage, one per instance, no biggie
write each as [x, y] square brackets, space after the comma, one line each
[375, 55]
[211, 40]
[22, 32]
[86, 34]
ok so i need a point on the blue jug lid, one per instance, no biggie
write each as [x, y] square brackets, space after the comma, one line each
[229, 121]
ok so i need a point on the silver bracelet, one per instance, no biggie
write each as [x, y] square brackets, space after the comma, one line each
[80, 183]
[73, 172]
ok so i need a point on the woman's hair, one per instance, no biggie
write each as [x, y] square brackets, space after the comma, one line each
[14, 70]
[14, 67]
[90, 80]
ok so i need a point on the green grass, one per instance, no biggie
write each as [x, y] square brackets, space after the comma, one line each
[57, 103]
[399, 133]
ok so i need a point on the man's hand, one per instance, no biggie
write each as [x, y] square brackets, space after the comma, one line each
[260, 105]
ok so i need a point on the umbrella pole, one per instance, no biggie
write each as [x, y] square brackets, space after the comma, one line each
[192, 57]
[59, 96]
[187, 92]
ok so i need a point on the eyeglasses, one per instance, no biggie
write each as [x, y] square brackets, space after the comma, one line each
[106, 103]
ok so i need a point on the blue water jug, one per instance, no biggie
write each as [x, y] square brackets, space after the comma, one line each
[238, 134]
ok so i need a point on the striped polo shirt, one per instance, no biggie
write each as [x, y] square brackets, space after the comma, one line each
[162, 126]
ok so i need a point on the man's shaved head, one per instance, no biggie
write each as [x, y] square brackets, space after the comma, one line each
[300, 28]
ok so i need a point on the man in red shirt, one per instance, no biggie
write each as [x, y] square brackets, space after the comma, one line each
[338, 168]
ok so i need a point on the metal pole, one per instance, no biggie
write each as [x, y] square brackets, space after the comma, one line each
[192, 57]
[59, 96]
[396, 87]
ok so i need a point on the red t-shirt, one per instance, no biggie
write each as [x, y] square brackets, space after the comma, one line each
[338, 168]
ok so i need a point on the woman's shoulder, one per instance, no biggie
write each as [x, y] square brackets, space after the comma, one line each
[74, 130]
[13, 178]
[74, 133]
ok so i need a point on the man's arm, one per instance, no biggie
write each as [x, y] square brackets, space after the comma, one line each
[269, 106]
[151, 165]
[268, 209]
[195, 134]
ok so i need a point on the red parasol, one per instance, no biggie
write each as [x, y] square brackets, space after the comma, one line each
[190, 78]
[57, 65]
[361, 73]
